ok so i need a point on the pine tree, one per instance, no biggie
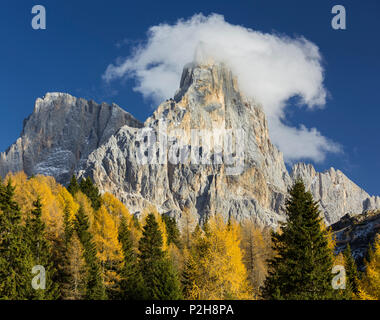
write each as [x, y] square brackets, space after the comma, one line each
[41, 252]
[131, 279]
[73, 186]
[160, 279]
[94, 285]
[352, 278]
[16, 261]
[91, 191]
[301, 268]
[172, 230]
[61, 256]
[68, 225]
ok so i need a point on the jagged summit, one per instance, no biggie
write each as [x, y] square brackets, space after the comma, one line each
[67, 134]
[337, 194]
[60, 133]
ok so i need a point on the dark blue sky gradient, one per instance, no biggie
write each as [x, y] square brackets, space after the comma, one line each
[81, 40]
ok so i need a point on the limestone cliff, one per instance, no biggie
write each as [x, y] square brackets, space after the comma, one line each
[60, 133]
[335, 193]
[207, 149]
[209, 98]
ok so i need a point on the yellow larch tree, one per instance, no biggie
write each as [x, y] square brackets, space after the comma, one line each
[369, 285]
[257, 250]
[115, 208]
[187, 224]
[67, 201]
[47, 189]
[109, 249]
[74, 287]
[85, 203]
[215, 268]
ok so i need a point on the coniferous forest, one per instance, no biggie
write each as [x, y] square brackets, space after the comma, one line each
[92, 248]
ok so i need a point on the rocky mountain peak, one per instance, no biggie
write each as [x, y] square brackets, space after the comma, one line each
[60, 133]
[209, 98]
[67, 135]
[336, 193]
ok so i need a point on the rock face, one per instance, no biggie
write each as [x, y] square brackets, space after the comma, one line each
[208, 149]
[359, 231]
[60, 134]
[337, 195]
[209, 98]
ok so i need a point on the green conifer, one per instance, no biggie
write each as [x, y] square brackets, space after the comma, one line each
[41, 250]
[94, 285]
[91, 191]
[303, 263]
[73, 186]
[172, 230]
[352, 277]
[131, 279]
[16, 261]
[160, 279]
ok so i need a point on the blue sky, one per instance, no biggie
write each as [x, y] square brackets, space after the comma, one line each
[83, 37]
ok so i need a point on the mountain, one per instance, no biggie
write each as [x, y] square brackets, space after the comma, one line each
[60, 134]
[233, 170]
[359, 231]
[336, 194]
[209, 98]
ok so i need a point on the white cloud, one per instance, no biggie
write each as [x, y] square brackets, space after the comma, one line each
[270, 68]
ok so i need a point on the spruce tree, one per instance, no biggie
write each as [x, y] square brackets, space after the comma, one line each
[16, 261]
[301, 268]
[352, 278]
[160, 279]
[73, 186]
[68, 225]
[62, 256]
[94, 285]
[172, 230]
[92, 192]
[131, 279]
[41, 252]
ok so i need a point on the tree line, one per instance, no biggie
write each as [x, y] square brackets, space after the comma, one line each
[91, 247]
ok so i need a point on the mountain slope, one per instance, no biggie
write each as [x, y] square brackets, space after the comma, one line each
[209, 98]
[336, 194]
[60, 133]
[208, 149]
[359, 231]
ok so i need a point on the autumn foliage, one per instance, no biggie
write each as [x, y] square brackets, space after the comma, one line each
[94, 248]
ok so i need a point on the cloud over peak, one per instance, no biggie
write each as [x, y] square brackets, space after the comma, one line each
[270, 68]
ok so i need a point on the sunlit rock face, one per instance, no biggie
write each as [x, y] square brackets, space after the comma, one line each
[335, 193]
[359, 231]
[209, 99]
[251, 185]
[207, 149]
[60, 134]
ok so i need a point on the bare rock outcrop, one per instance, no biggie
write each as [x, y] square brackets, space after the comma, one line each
[207, 149]
[60, 133]
[337, 195]
[208, 99]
